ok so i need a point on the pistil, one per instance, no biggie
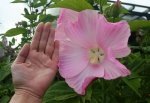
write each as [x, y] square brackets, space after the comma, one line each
[96, 55]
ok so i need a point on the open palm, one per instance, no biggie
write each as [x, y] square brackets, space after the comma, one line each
[36, 64]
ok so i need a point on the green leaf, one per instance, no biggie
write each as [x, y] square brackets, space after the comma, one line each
[96, 92]
[24, 24]
[47, 18]
[77, 5]
[137, 66]
[43, 1]
[102, 2]
[124, 10]
[90, 1]
[71, 100]
[1, 45]
[4, 69]
[139, 24]
[134, 84]
[3, 74]
[36, 5]
[5, 99]
[26, 11]
[88, 95]
[59, 91]
[55, 1]
[15, 31]
[19, 1]
[148, 100]
[13, 41]
[31, 16]
[110, 19]
[94, 100]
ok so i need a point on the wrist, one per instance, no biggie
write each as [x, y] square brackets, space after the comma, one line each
[23, 96]
[27, 92]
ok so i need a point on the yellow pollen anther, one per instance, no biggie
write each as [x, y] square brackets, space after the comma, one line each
[96, 55]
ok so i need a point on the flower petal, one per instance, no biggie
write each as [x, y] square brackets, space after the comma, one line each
[114, 69]
[115, 36]
[60, 34]
[80, 82]
[83, 31]
[73, 59]
[121, 52]
[67, 15]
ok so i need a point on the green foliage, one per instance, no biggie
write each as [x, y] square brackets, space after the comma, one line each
[15, 31]
[5, 99]
[133, 83]
[47, 18]
[132, 89]
[20, 1]
[4, 68]
[6, 86]
[102, 5]
[77, 5]
[59, 91]
[139, 24]
[114, 11]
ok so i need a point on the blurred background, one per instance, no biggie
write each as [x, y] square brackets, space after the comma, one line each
[11, 14]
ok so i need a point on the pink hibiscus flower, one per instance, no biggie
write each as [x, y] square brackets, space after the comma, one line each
[89, 48]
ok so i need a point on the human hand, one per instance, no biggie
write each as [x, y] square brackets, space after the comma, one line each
[36, 64]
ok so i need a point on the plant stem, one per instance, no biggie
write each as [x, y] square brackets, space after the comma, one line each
[113, 19]
[83, 99]
[101, 7]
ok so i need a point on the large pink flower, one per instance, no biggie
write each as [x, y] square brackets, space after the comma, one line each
[89, 48]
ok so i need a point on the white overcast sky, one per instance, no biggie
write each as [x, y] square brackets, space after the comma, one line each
[11, 13]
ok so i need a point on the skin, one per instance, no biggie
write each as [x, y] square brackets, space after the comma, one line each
[35, 66]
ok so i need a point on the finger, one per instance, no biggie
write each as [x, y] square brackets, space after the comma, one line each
[44, 37]
[50, 44]
[55, 56]
[23, 54]
[36, 38]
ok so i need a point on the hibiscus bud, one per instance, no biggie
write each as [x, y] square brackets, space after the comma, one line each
[116, 8]
[118, 4]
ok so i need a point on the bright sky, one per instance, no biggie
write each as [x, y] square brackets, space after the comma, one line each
[11, 13]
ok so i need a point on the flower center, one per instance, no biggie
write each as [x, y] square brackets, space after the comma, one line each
[96, 55]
